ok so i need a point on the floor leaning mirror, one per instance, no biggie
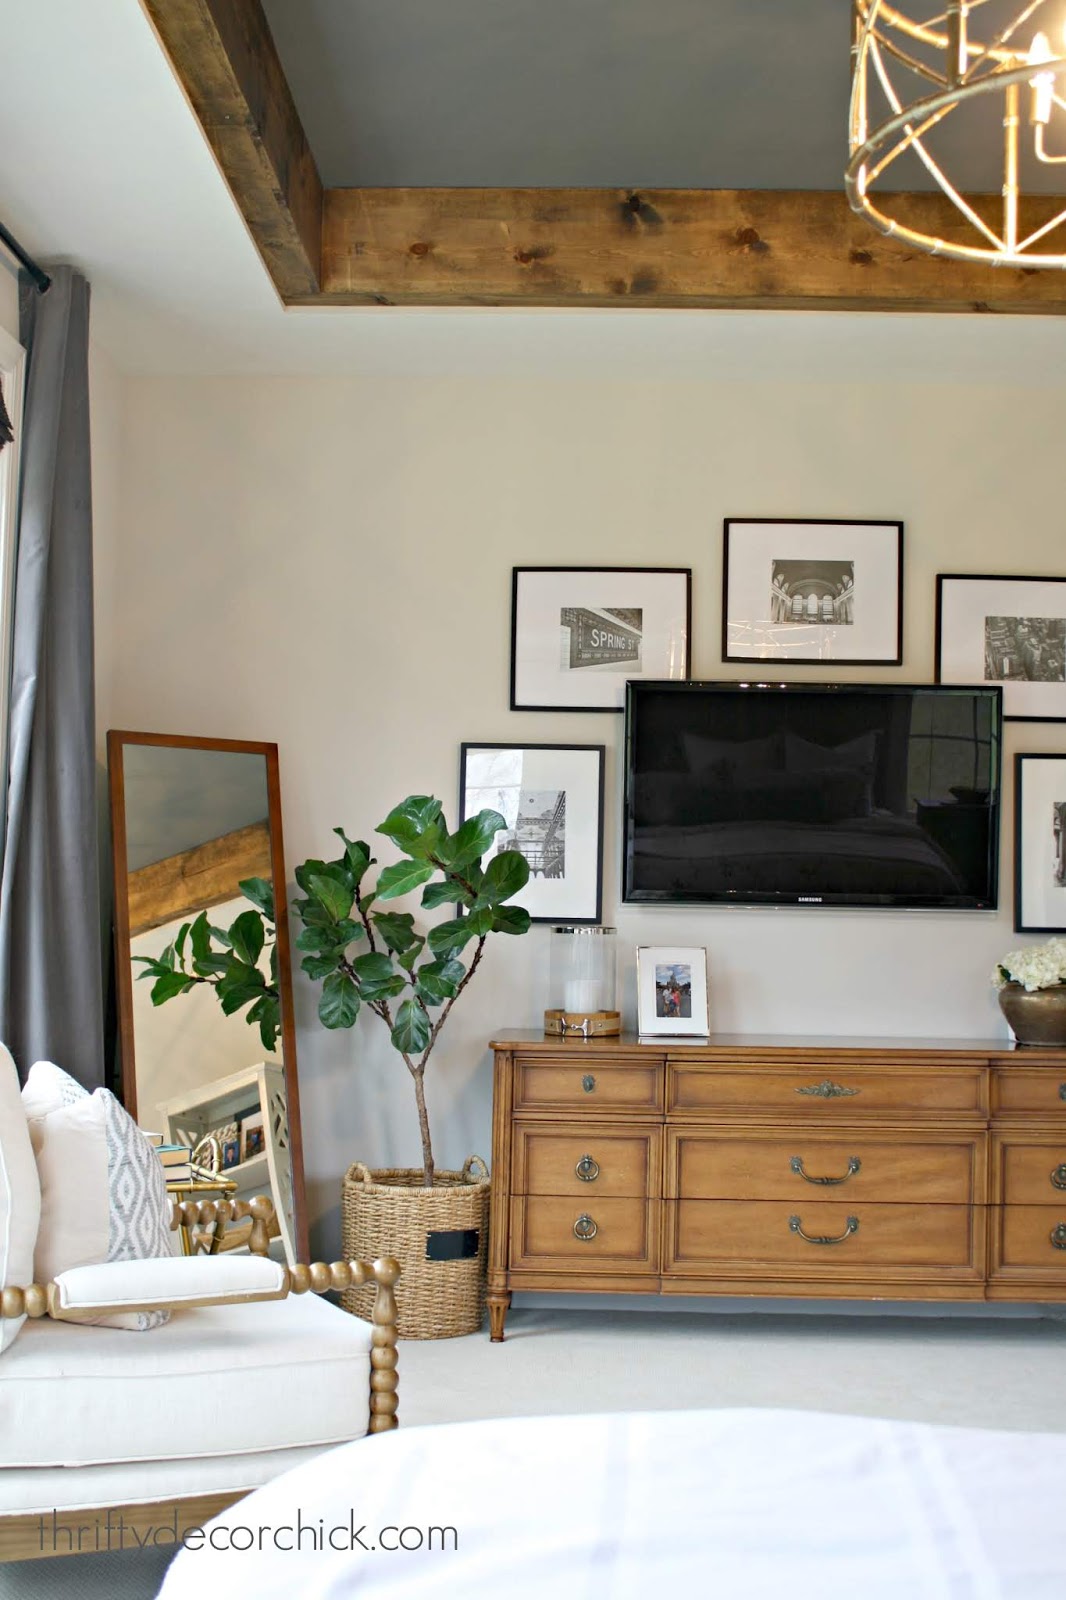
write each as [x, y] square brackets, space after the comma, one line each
[203, 980]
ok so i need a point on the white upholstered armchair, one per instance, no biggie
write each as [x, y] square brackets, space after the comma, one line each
[139, 1396]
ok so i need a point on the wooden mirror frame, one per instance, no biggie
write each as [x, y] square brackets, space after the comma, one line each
[117, 739]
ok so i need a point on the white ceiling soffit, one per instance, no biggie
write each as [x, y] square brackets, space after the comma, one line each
[105, 166]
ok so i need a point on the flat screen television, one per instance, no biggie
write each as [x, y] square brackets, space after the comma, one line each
[812, 794]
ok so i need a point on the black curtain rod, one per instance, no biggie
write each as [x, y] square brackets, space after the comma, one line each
[38, 274]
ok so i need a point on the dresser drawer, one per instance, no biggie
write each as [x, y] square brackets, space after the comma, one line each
[1034, 1174]
[611, 1233]
[1016, 1090]
[706, 1234]
[586, 1160]
[806, 1166]
[1034, 1237]
[842, 1092]
[546, 1083]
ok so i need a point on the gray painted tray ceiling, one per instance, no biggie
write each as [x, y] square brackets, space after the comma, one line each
[620, 93]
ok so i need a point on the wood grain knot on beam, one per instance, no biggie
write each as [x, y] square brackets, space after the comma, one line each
[537, 252]
[861, 258]
[636, 213]
[751, 242]
[419, 249]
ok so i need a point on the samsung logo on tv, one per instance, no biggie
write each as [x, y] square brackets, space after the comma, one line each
[809, 899]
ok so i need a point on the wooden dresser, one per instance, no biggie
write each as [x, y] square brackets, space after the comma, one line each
[750, 1165]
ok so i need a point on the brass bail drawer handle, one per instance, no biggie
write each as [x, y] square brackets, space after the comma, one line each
[588, 1083]
[828, 1090]
[1058, 1176]
[1058, 1236]
[587, 1169]
[796, 1226]
[585, 1228]
[854, 1166]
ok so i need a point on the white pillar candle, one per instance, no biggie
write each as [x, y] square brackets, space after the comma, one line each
[583, 994]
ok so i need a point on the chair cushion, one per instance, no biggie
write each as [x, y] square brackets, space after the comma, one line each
[167, 1280]
[103, 1189]
[217, 1381]
[20, 1194]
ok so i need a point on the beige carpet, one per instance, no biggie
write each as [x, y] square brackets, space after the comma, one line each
[981, 1372]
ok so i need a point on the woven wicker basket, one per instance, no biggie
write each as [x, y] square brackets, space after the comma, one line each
[391, 1213]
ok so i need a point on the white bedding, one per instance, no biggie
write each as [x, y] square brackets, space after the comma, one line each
[729, 1505]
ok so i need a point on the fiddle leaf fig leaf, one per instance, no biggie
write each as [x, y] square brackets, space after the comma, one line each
[336, 897]
[200, 938]
[169, 985]
[505, 875]
[397, 928]
[470, 841]
[375, 973]
[411, 1029]
[510, 919]
[480, 921]
[447, 938]
[357, 854]
[414, 825]
[338, 1005]
[442, 894]
[319, 966]
[438, 981]
[261, 893]
[402, 878]
[247, 937]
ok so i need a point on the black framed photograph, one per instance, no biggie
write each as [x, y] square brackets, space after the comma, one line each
[812, 591]
[579, 633]
[1040, 844]
[551, 797]
[1006, 630]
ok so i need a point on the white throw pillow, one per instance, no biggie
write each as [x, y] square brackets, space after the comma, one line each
[20, 1194]
[103, 1189]
[48, 1086]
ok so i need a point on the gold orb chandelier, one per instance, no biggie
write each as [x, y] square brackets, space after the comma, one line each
[915, 73]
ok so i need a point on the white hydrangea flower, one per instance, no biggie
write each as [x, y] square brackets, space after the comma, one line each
[1040, 966]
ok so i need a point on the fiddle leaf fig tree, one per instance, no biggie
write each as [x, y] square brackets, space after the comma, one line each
[367, 956]
[228, 960]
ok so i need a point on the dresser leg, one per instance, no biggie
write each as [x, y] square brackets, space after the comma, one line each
[499, 1301]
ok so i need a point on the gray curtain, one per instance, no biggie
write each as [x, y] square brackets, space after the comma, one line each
[51, 1001]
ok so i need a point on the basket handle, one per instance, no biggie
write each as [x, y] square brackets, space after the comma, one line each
[362, 1172]
[470, 1170]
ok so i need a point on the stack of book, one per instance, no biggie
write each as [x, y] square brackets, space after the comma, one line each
[179, 1167]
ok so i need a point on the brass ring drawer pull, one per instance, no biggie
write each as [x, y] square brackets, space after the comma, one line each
[1058, 1236]
[827, 1090]
[854, 1166]
[1058, 1176]
[588, 1083]
[587, 1169]
[796, 1226]
[585, 1228]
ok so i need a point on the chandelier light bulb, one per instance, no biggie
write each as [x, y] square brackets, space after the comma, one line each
[1043, 85]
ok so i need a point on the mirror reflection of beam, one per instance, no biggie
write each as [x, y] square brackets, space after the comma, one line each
[192, 881]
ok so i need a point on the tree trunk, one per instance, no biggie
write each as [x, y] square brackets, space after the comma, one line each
[423, 1125]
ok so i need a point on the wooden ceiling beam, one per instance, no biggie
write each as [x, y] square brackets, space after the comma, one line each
[223, 55]
[553, 247]
[656, 248]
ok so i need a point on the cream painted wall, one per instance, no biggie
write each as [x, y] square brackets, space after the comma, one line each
[327, 563]
[9, 301]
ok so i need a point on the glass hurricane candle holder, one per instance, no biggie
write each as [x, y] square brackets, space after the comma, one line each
[581, 979]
